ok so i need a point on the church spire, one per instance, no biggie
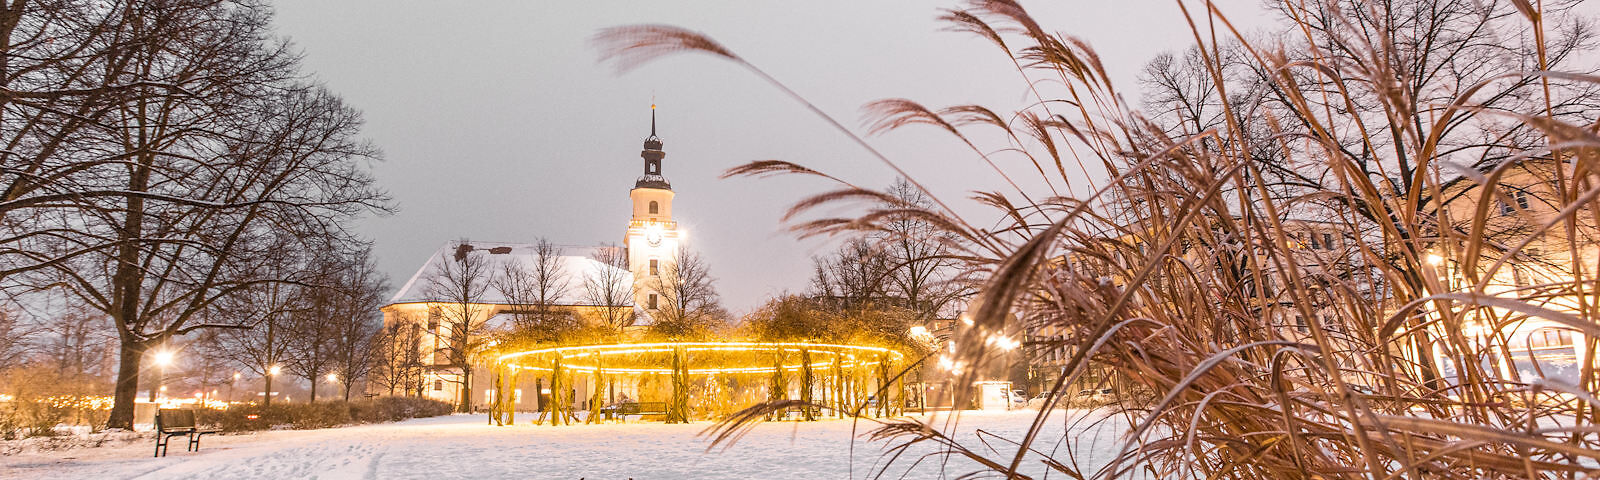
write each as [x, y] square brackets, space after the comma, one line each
[652, 155]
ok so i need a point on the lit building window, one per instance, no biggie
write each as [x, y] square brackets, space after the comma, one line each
[438, 385]
[654, 267]
[516, 395]
[1327, 241]
[652, 301]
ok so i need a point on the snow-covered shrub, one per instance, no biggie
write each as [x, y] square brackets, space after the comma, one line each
[300, 416]
[392, 409]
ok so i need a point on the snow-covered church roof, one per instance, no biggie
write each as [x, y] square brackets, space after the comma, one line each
[578, 264]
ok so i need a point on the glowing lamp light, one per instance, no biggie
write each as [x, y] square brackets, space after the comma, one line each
[163, 358]
[274, 370]
[333, 377]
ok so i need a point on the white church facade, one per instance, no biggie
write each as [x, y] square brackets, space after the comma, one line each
[424, 310]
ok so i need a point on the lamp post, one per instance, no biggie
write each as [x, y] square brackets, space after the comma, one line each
[162, 359]
[266, 396]
[333, 381]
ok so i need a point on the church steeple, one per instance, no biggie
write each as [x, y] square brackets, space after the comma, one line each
[652, 155]
[653, 237]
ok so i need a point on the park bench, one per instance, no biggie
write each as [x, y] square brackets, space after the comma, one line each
[173, 422]
[623, 409]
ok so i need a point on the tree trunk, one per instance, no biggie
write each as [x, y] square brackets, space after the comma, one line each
[127, 385]
[313, 388]
[466, 390]
[266, 394]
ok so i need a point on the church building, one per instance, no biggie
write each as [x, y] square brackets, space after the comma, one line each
[462, 280]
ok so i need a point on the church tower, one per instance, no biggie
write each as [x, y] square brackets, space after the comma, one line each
[652, 238]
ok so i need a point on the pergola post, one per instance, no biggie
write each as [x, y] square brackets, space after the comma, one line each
[883, 384]
[558, 390]
[595, 400]
[777, 388]
[839, 386]
[807, 380]
[510, 394]
[678, 410]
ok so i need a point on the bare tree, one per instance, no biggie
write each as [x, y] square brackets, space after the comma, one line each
[264, 348]
[77, 344]
[312, 331]
[689, 296]
[458, 285]
[161, 157]
[924, 274]
[854, 276]
[14, 338]
[397, 357]
[355, 320]
[608, 287]
[536, 288]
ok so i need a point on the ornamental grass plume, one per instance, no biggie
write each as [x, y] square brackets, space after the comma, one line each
[1340, 253]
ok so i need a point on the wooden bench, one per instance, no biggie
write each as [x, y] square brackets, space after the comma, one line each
[173, 422]
[623, 409]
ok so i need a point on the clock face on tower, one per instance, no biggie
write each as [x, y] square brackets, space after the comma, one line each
[654, 237]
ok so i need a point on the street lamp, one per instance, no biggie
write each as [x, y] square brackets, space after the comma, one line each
[333, 381]
[162, 359]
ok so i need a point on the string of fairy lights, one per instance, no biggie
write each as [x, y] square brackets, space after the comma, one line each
[590, 358]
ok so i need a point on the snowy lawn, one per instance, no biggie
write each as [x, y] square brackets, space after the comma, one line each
[462, 446]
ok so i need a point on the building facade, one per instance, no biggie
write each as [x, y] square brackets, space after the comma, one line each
[462, 287]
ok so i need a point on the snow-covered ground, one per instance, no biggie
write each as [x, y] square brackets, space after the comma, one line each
[462, 446]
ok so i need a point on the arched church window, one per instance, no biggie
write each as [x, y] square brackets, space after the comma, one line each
[654, 208]
[654, 267]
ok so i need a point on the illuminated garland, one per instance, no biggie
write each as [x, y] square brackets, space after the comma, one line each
[588, 358]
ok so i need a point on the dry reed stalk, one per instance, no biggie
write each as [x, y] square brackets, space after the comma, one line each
[1175, 276]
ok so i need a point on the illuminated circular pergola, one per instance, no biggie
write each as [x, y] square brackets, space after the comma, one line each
[709, 358]
[835, 373]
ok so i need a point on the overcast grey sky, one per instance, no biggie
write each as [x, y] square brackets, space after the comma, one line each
[498, 124]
